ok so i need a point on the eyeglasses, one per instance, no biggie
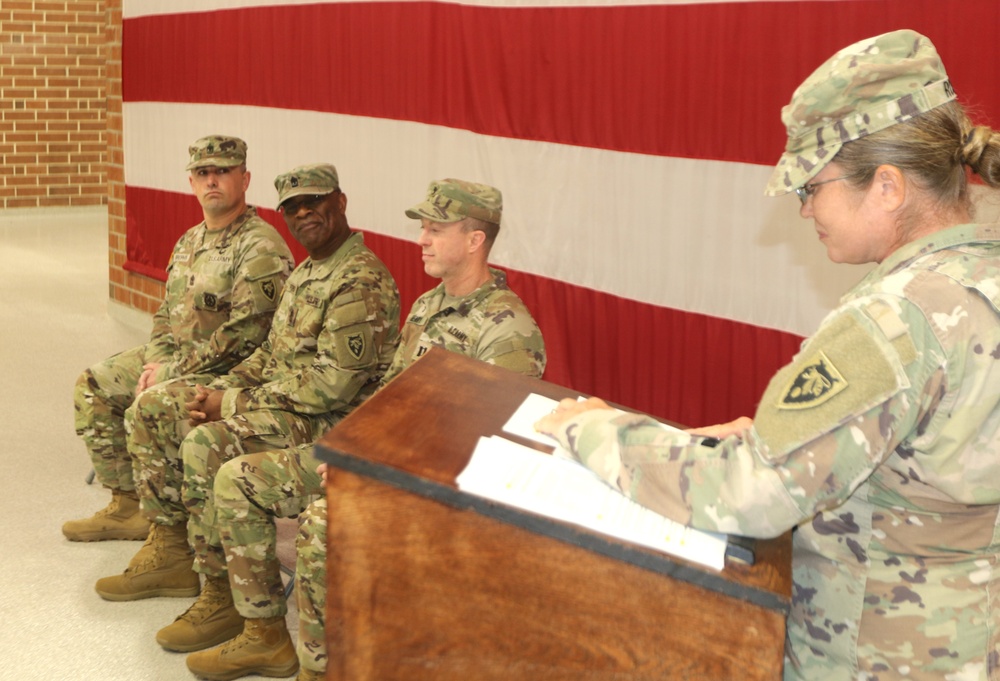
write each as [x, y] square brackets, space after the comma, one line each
[307, 201]
[807, 190]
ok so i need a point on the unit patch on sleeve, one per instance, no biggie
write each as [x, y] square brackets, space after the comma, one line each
[817, 382]
[356, 345]
[268, 288]
[845, 371]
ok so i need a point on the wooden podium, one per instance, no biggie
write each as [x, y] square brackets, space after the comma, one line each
[426, 582]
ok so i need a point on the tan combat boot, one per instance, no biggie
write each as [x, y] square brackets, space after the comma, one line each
[162, 567]
[120, 519]
[211, 620]
[263, 648]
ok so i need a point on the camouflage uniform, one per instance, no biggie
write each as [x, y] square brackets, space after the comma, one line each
[491, 324]
[878, 444]
[249, 492]
[331, 339]
[221, 292]
[310, 586]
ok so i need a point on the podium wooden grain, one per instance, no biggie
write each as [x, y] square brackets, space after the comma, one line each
[426, 582]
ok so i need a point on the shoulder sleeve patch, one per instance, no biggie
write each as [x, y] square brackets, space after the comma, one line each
[845, 370]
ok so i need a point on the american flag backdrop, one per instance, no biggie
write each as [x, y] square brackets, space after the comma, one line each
[632, 142]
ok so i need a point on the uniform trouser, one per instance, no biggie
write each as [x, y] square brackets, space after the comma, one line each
[310, 585]
[156, 423]
[102, 394]
[176, 464]
[208, 447]
[250, 491]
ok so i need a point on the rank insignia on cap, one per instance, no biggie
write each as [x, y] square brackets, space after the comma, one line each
[356, 345]
[293, 181]
[818, 381]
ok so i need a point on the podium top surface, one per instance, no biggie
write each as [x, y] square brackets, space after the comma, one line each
[419, 432]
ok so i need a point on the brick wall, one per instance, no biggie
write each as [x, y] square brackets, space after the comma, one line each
[52, 90]
[130, 289]
[61, 120]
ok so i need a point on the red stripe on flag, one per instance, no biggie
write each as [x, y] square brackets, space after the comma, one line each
[696, 81]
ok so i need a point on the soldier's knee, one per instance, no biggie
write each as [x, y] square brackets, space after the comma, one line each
[129, 418]
[84, 381]
[229, 485]
[83, 398]
[134, 412]
[193, 454]
[312, 525]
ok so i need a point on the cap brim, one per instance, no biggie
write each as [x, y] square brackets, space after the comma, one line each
[795, 169]
[429, 211]
[303, 191]
[214, 162]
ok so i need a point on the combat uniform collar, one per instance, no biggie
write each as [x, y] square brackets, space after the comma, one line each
[353, 242]
[498, 282]
[938, 241]
[222, 237]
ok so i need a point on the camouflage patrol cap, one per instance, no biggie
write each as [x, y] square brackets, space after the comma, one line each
[865, 87]
[452, 200]
[318, 178]
[221, 151]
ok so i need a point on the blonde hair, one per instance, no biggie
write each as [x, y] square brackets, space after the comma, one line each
[933, 149]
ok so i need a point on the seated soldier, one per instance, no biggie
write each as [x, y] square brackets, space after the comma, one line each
[334, 335]
[471, 312]
[223, 282]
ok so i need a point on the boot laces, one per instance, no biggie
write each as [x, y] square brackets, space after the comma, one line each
[252, 634]
[152, 553]
[110, 509]
[242, 641]
[208, 602]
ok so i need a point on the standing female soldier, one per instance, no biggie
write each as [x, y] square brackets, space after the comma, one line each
[879, 442]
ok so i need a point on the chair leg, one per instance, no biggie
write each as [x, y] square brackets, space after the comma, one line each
[290, 586]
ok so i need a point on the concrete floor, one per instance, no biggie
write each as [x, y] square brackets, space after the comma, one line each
[55, 320]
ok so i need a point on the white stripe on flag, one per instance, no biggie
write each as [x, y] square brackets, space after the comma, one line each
[140, 8]
[634, 225]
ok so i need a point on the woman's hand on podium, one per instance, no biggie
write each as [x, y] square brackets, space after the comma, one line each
[567, 409]
[721, 431]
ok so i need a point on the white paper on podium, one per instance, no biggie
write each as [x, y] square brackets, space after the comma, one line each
[512, 474]
[522, 421]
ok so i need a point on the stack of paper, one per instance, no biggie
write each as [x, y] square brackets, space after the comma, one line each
[564, 489]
